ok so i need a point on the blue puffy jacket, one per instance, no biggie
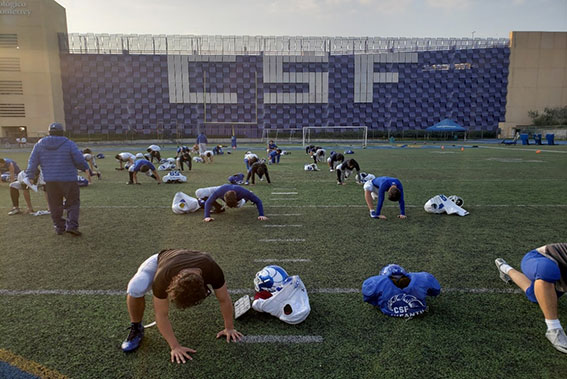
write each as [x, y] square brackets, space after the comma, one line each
[59, 158]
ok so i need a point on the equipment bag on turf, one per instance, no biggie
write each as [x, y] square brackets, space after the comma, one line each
[183, 203]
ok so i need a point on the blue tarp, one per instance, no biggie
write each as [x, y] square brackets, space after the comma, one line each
[446, 125]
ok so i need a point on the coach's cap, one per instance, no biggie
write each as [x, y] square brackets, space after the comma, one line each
[56, 128]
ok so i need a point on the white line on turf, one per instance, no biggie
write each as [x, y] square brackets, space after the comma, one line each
[282, 240]
[281, 339]
[284, 193]
[269, 260]
[283, 198]
[283, 226]
[6, 292]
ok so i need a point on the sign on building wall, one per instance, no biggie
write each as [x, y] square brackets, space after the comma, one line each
[14, 8]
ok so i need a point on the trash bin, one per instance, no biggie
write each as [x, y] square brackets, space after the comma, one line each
[525, 139]
[537, 139]
[550, 139]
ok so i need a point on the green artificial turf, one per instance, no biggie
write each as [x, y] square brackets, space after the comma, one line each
[517, 201]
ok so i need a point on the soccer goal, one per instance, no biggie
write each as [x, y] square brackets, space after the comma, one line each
[346, 134]
[278, 134]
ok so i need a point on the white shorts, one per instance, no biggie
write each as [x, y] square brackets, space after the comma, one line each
[201, 193]
[141, 282]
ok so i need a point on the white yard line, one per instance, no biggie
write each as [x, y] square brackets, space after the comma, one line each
[283, 199]
[281, 339]
[284, 193]
[62, 292]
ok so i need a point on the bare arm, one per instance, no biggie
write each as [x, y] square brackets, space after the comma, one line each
[368, 198]
[226, 310]
[178, 353]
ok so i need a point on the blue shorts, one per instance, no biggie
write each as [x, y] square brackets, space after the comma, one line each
[536, 266]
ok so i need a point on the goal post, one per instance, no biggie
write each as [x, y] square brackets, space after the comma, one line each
[289, 135]
[335, 134]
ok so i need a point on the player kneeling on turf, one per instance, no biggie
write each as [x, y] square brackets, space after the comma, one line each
[281, 295]
[182, 277]
[399, 293]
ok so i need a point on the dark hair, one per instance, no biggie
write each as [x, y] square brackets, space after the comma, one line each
[187, 289]
[144, 168]
[117, 156]
[230, 199]
[261, 170]
[394, 194]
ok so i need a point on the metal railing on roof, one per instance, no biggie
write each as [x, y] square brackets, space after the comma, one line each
[75, 43]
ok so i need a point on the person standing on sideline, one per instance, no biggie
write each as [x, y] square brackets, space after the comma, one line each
[202, 143]
[59, 158]
[543, 279]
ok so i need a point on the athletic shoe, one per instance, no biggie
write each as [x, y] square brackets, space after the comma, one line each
[14, 211]
[74, 232]
[499, 262]
[98, 175]
[134, 338]
[558, 339]
[373, 214]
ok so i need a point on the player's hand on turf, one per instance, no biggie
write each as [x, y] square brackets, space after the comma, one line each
[402, 216]
[262, 218]
[208, 219]
[231, 334]
[180, 354]
[382, 217]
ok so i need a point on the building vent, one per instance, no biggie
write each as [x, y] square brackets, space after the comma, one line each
[11, 87]
[12, 110]
[10, 64]
[8, 41]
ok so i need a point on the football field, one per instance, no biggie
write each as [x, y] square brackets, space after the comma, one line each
[62, 298]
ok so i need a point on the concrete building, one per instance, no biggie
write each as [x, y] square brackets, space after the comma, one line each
[31, 94]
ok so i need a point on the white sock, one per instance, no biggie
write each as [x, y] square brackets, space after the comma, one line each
[553, 324]
[505, 268]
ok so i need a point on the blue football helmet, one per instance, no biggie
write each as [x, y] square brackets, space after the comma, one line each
[393, 269]
[270, 278]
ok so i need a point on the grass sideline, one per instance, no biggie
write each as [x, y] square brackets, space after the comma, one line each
[517, 201]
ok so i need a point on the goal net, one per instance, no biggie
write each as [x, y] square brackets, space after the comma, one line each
[281, 135]
[341, 134]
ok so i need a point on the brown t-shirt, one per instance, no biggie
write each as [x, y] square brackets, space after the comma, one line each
[170, 262]
[558, 253]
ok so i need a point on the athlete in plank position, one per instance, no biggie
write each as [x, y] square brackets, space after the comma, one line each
[345, 169]
[543, 279]
[182, 277]
[377, 188]
[129, 158]
[232, 194]
[334, 160]
[258, 168]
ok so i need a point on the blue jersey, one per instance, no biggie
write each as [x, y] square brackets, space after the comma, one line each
[6, 167]
[236, 178]
[383, 183]
[241, 193]
[381, 292]
[142, 162]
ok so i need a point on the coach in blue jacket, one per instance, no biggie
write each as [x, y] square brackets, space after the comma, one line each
[59, 159]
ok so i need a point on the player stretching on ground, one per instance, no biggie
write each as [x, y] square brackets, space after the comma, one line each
[377, 188]
[543, 279]
[182, 277]
[232, 194]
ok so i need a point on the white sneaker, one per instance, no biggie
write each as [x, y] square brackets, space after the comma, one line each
[558, 339]
[499, 262]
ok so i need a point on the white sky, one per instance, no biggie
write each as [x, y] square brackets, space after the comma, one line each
[372, 18]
